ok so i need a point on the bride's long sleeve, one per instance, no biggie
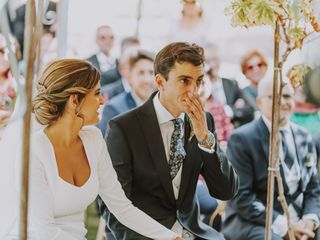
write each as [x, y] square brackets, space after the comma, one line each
[42, 222]
[113, 195]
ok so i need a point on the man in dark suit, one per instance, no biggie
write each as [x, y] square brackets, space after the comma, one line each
[141, 81]
[121, 85]
[105, 40]
[113, 89]
[248, 150]
[238, 107]
[113, 74]
[158, 156]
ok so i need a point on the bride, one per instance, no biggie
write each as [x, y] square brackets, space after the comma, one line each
[69, 162]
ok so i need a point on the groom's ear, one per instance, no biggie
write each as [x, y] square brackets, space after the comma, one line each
[160, 81]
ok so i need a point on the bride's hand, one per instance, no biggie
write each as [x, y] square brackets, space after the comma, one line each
[178, 238]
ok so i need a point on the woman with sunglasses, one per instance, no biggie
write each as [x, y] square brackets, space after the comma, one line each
[254, 67]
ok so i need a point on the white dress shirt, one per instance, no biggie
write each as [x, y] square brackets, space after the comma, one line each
[167, 127]
[126, 85]
[218, 91]
[56, 207]
[219, 95]
[292, 178]
[105, 62]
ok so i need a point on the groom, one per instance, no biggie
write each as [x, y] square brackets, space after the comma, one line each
[160, 148]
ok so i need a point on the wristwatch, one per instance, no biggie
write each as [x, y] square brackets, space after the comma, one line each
[210, 141]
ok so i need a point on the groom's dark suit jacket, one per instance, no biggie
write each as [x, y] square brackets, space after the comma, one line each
[248, 150]
[138, 155]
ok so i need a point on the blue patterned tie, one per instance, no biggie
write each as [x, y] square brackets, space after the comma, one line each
[288, 153]
[177, 152]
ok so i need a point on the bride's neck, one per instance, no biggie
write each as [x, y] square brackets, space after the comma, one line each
[64, 132]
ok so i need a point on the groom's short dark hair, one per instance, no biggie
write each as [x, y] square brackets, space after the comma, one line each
[177, 52]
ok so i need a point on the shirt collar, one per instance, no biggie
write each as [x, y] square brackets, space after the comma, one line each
[163, 115]
[125, 85]
[105, 59]
[137, 100]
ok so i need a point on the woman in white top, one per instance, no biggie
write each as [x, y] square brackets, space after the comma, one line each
[191, 26]
[70, 164]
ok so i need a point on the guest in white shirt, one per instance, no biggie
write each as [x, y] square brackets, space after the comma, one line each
[238, 107]
[70, 164]
[105, 40]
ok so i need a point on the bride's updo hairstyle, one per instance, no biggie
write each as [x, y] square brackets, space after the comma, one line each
[59, 80]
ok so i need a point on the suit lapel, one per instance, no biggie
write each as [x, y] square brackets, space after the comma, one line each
[264, 136]
[227, 91]
[96, 61]
[151, 130]
[130, 101]
[265, 143]
[188, 163]
[301, 150]
[299, 143]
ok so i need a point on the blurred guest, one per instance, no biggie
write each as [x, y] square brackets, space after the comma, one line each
[122, 85]
[104, 40]
[216, 109]
[48, 50]
[248, 150]
[192, 26]
[113, 74]
[17, 18]
[254, 67]
[316, 141]
[141, 81]
[49, 47]
[227, 92]
[305, 114]
[7, 86]
[129, 42]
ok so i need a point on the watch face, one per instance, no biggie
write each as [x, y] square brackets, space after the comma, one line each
[209, 141]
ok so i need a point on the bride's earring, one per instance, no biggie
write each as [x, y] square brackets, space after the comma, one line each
[79, 114]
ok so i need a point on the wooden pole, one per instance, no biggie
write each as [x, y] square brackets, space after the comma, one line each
[29, 58]
[139, 14]
[274, 138]
[281, 197]
[62, 32]
[39, 30]
[274, 147]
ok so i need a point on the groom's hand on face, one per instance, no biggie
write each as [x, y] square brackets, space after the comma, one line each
[195, 110]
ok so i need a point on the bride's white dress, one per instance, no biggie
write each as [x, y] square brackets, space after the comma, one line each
[56, 209]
